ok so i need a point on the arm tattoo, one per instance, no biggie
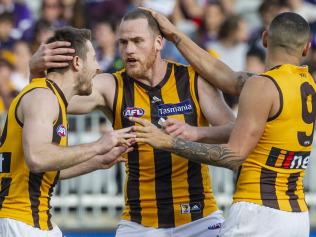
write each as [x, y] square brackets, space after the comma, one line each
[216, 155]
[241, 79]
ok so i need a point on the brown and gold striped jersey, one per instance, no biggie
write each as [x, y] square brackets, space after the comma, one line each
[162, 189]
[25, 196]
[272, 175]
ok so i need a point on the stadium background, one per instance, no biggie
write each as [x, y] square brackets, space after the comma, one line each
[90, 205]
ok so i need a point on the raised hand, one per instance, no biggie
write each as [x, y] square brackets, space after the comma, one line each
[150, 134]
[110, 139]
[180, 129]
[52, 55]
[167, 28]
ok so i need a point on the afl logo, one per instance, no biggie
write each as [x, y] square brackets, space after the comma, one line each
[61, 131]
[133, 112]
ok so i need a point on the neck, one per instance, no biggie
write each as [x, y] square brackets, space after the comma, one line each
[280, 56]
[155, 74]
[64, 82]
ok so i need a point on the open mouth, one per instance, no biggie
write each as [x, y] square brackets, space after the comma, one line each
[131, 61]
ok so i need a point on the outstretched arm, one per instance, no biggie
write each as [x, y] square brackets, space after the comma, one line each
[40, 153]
[213, 70]
[105, 161]
[249, 127]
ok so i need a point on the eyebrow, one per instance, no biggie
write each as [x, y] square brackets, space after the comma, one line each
[131, 39]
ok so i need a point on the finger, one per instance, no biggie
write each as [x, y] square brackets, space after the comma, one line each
[62, 51]
[143, 135]
[171, 129]
[143, 140]
[143, 122]
[147, 9]
[141, 129]
[176, 133]
[173, 121]
[129, 150]
[124, 130]
[58, 44]
[57, 65]
[59, 58]
[126, 135]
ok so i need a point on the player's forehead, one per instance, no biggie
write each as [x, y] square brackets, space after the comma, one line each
[134, 28]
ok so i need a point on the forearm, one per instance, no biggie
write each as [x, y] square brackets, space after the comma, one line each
[216, 155]
[214, 135]
[211, 69]
[80, 169]
[50, 157]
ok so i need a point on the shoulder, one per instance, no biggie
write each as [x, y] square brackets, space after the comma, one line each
[40, 96]
[40, 102]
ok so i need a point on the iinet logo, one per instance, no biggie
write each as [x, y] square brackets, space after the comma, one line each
[299, 162]
[280, 158]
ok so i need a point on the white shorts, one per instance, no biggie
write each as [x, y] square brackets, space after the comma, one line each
[208, 226]
[249, 219]
[13, 228]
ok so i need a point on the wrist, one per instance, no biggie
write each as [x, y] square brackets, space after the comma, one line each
[176, 37]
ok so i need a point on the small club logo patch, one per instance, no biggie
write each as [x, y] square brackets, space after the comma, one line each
[61, 130]
[133, 112]
[194, 207]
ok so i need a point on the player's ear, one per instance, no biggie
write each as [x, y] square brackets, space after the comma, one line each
[264, 38]
[306, 49]
[159, 42]
[76, 63]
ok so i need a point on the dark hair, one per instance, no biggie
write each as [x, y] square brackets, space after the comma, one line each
[216, 3]
[111, 21]
[229, 26]
[77, 37]
[6, 16]
[138, 14]
[289, 30]
[256, 52]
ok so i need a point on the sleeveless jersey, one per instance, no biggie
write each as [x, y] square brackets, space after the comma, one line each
[25, 196]
[162, 190]
[272, 175]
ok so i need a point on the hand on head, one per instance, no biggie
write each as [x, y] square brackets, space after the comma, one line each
[52, 55]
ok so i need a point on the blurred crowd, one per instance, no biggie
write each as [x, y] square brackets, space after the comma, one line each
[228, 29]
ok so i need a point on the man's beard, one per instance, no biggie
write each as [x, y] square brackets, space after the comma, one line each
[144, 67]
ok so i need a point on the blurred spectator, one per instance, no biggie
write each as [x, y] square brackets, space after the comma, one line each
[267, 11]
[229, 6]
[255, 61]
[7, 90]
[22, 53]
[312, 57]
[305, 9]
[106, 50]
[213, 18]
[231, 46]
[73, 13]
[52, 12]
[42, 31]
[6, 27]
[96, 10]
[22, 17]
[51, 16]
